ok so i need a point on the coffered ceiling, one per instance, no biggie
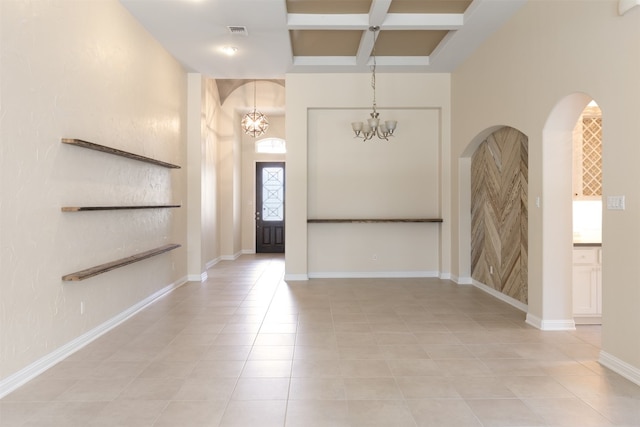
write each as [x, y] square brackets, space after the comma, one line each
[274, 37]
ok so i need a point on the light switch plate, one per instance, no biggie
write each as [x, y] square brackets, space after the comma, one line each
[615, 203]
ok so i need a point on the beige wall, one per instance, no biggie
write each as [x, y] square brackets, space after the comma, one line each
[202, 154]
[210, 227]
[547, 52]
[406, 177]
[79, 69]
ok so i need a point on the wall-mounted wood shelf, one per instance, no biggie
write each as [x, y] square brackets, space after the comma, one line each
[401, 220]
[113, 208]
[103, 268]
[115, 151]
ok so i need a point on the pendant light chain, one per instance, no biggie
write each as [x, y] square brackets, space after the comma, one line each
[373, 70]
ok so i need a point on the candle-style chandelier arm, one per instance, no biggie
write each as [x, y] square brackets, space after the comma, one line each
[372, 127]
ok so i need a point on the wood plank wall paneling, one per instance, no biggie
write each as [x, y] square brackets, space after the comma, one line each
[499, 213]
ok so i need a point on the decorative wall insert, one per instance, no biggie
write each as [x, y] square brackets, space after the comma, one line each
[103, 268]
[115, 151]
[591, 156]
[499, 215]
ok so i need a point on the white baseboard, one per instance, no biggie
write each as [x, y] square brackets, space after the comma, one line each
[295, 277]
[248, 252]
[371, 274]
[231, 257]
[502, 297]
[445, 276]
[620, 367]
[36, 368]
[550, 325]
[588, 320]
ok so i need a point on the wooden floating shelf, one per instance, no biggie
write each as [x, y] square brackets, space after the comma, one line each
[115, 151]
[113, 208]
[400, 220]
[103, 268]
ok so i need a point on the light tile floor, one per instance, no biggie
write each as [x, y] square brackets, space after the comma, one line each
[247, 349]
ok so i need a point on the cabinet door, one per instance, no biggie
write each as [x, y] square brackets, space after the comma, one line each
[585, 290]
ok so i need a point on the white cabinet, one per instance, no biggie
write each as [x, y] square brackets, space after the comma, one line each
[587, 284]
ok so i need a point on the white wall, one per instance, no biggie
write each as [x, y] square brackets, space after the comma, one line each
[547, 52]
[322, 157]
[87, 70]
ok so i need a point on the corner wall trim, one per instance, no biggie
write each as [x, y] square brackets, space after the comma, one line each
[502, 297]
[620, 367]
[534, 321]
[212, 263]
[36, 368]
[625, 6]
[198, 277]
[463, 280]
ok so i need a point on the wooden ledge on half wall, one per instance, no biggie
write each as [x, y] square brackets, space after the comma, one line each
[370, 220]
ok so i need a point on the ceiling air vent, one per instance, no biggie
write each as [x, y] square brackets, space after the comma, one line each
[238, 30]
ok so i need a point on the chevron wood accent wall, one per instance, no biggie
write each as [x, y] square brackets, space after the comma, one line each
[499, 213]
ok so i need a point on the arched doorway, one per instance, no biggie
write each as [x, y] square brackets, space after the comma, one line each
[557, 230]
[494, 185]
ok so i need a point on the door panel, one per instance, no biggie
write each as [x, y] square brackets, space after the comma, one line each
[270, 207]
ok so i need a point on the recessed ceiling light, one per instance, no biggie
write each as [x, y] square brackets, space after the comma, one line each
[229, 50]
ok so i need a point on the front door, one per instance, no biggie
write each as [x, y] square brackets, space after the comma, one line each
[270, 207]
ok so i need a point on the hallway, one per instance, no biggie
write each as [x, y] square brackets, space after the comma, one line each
[246, 349]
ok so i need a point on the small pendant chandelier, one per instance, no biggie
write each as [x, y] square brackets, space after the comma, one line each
[372, 126]
[254, 123]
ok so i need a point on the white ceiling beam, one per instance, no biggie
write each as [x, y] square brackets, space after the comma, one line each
[349, 62]
[318, 61]
[423, 21]
[309, 21]
[378, 12]
[365, 48]
[414, 61]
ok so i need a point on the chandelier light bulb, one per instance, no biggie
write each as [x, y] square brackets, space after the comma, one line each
[255, 123]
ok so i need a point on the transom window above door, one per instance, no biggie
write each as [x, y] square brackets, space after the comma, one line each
[271, 146]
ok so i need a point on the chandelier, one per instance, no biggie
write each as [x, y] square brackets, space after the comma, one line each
[366, 130]
[254, 123]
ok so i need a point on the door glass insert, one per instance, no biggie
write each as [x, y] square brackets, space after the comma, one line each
[273, 194]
